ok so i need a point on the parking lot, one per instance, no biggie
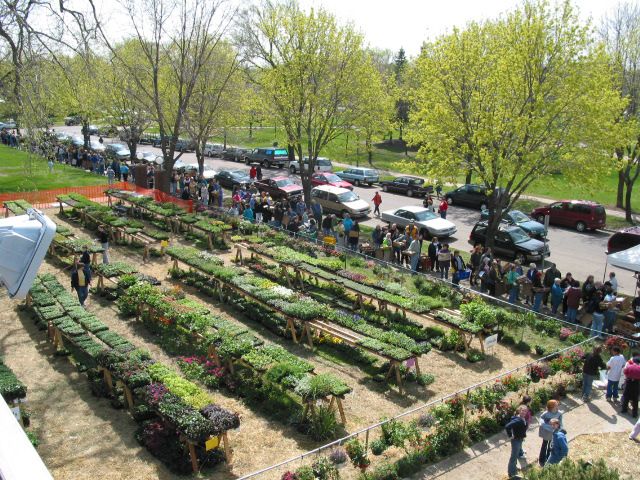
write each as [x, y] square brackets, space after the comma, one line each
[581, 254]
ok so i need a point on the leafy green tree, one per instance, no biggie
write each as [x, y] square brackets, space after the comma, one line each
[621, 34]
[212, 101]
[400, 66]
[514, 100]
[314, 72]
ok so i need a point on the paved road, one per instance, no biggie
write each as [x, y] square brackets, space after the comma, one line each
[581, 254]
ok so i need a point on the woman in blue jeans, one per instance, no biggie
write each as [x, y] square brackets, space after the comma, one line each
[593, 363]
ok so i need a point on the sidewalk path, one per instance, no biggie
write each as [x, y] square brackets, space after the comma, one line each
[488, 460]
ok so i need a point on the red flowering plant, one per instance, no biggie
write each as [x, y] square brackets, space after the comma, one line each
[456, 406]
[538, 372]
[512, 382]
[616, 342]
[289, 476]
[570, 362]
[356, 277]
[201, 368]
[154, 393]
[566, 333]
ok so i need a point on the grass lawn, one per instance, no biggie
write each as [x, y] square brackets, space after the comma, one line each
[14, 178]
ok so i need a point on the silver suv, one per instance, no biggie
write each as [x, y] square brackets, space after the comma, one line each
[358, 176]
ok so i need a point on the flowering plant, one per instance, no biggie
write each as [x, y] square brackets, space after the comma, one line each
[538, 372]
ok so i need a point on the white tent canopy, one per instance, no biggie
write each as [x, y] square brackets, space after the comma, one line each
[628, 259]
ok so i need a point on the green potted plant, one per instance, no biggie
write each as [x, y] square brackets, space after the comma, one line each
[357, 454]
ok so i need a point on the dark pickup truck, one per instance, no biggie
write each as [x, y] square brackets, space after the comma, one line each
[268, 157]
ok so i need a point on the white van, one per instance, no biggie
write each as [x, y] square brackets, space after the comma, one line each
[340, 200]
[322, 165]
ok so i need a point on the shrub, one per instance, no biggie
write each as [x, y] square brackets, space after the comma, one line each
[616, 342]
[323, 424]
[305, 473]
[572, 470]
[474, 356]
[357, 453]
[538, 371]
[523, 346]
[378, 446]
[410, 464]
[323, 469]
[426, 420]
[540, 349]
[385, 471]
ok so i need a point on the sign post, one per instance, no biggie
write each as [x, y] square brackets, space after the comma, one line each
[546, 233]
[490, 342]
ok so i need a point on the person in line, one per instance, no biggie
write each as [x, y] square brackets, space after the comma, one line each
[80, 281]
[615, 365]
[103, 236]
[444, 261]
[248, 214]
[610, 313]
[546, 430]
[432, 253]
[258, 172]
[556, 295]
[316, 210]
[631, 385]
[597, 313]
[124, 170]
[443, 207]
[559, 444]
[593, 363]
[493, 277]
[475, 261]
[571, 299]
[458, 266]
[111, 175]
[354, 236]
[377, 200]
[327, 225]
[538, 291]
[516, 431]
[347, 223]
[614, 283]
[549, 277]
[414, 254]
[377, 236]
[512, 283]
[531, 275]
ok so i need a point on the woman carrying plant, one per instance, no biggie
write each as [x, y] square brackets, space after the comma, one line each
[546, 430]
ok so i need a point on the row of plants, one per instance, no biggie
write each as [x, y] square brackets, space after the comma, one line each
[77, 199]
[11, 389]
[18, 207]
[114, 269]
[181, 407]
[164, 209]
[453, 425]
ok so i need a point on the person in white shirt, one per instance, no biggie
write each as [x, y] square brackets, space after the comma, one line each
[614, 282]
[615, 365]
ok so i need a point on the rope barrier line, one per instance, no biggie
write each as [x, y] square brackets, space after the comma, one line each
[410, 412]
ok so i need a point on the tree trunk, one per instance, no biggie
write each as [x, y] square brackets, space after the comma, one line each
[496, 206]
[200, 160]
[467, 179]
[225, 139]
[627, 202]
[250, 129]
[400, 132]
[85, 135]
[620, 196]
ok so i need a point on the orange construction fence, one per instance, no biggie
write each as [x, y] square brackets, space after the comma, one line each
[47, 198]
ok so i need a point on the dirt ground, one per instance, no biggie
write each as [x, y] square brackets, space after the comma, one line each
[615, 448]
[84, 437]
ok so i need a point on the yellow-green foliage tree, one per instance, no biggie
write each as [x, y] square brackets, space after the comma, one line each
[314, 72]
[513, 100]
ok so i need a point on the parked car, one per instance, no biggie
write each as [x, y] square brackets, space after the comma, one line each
[96, 146]
[410, 186]
[279, 187]
[268, 157]
[77, 141]
[233, 178]
[516, 217]
[207, 173]
[72, 120]
[149, 157]
[623, 239]
[9, 125]
[93, 129]
[117, 150]
[213, 150]
[329, 179]
[62, 137]
[149, 139]
[182, 144]
[422, 218]
[235, 154]
[510, 242]
[358, 176]
[579, 214]
[469, 195]
[340, 200]
[322, 164]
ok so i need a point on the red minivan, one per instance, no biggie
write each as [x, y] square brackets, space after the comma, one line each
[579, 214]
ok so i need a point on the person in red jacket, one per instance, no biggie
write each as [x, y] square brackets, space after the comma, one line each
[253, 172]
[377, 200]
[442, 209]
[631, 385]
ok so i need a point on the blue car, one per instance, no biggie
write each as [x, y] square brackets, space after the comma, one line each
[358, 176]
[516, 217]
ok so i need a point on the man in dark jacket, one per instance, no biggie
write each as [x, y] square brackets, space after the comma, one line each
[593, 363]
[432, 252]
[517, 431]
[549, 277]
